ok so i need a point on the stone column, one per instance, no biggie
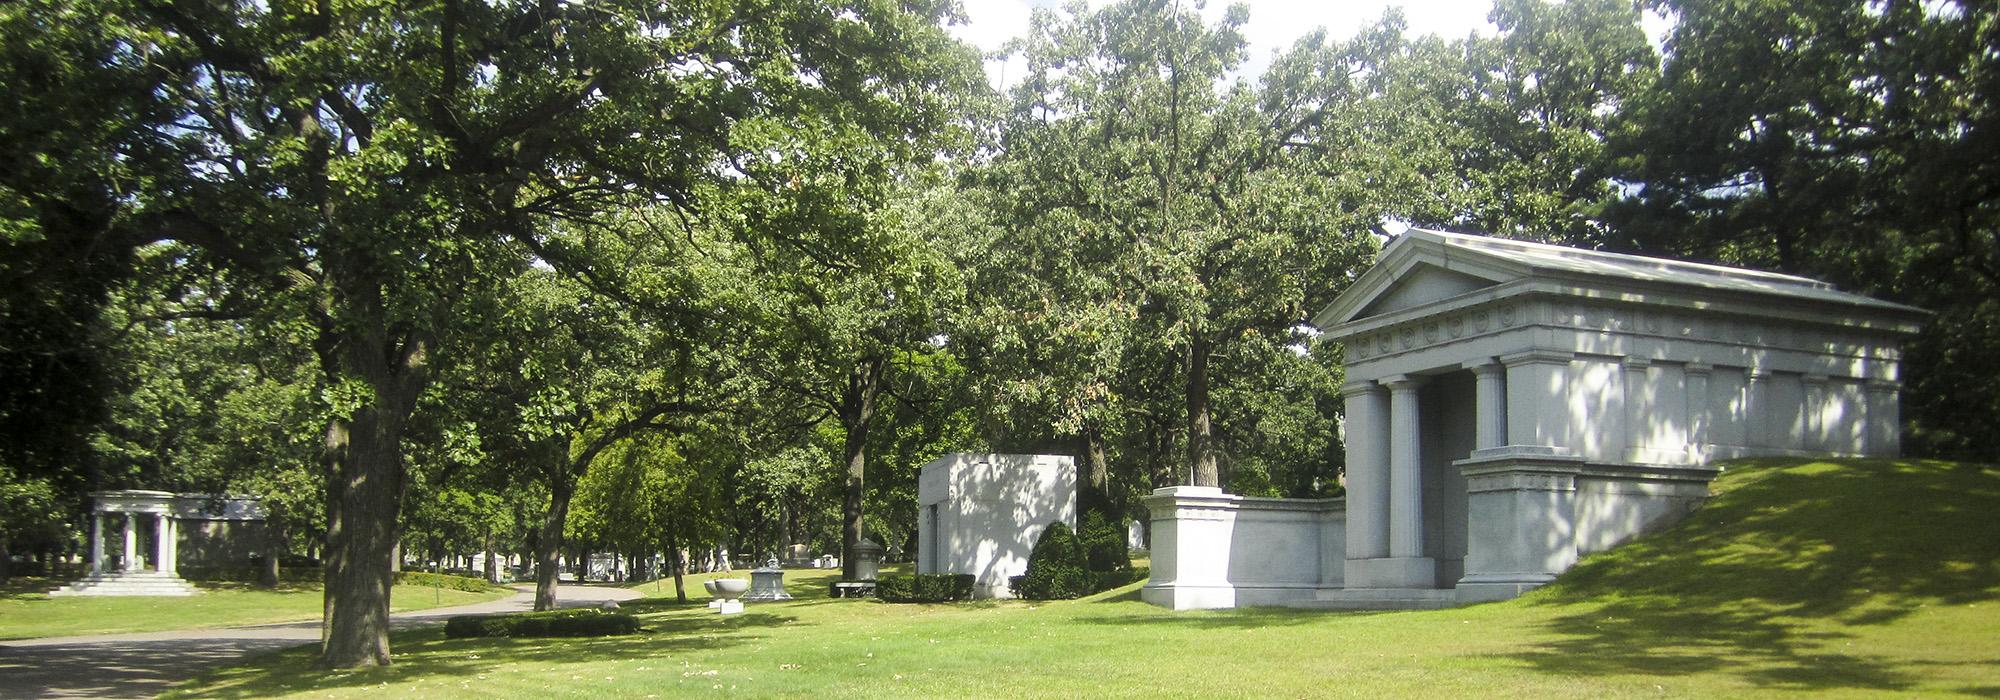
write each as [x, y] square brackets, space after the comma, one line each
[131, 543]
[97, 542]
[1698, 412]
[1490, 422]
[1815, 410]
[1538, 401]
[1885, 420]
[1757, 437]
[1367, 470]
[1641, 416]
[163, 542]
[1406, 495]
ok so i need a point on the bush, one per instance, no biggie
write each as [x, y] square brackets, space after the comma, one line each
[924, 588]
[553, 623]
[1056, 568]
[456, 583]
[249, 574]
[1104, 546]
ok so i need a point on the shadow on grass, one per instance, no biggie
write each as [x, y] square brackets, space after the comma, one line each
[428, 656]
[1760, 580]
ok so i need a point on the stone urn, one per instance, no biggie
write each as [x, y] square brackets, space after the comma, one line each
[731, 590]
[714, 599]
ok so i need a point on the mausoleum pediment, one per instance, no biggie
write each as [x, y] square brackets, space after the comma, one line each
[1422, 284]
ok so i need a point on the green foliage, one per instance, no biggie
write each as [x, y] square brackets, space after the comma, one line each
[1102, 539]
[924, 588]
[1057, 569]
[456, 583]
[553, 623]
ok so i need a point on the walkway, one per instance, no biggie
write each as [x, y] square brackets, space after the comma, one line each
[144, 664]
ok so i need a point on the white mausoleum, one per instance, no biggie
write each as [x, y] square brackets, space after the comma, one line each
[980, 514]
[1512, 406]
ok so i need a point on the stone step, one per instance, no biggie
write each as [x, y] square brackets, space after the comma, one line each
[1380, 599]
[128, 583]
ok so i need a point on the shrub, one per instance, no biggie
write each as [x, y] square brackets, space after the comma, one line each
[924, 588]
[553, 623]
[1104, 546]
[456, 583]
[1056, 567]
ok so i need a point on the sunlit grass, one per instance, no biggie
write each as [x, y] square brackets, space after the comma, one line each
[26, 610]
[1864, 577]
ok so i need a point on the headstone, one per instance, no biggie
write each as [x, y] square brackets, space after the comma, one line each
[867, 560]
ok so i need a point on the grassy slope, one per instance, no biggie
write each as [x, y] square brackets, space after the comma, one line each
[26, 610]
[1865, 577]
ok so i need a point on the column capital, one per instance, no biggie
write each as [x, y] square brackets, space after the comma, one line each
[1485, 366]
[1361, 387]
[1537, 356]
[1402, 382]
[1637, 362]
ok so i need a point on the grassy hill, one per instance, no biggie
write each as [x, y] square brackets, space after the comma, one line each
[1842, 578]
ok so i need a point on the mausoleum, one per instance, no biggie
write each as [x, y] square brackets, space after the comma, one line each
[1512, 406]
[980, 514]
[206, 529]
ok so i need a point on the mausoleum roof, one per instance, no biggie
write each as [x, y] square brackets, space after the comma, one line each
[1485, 261]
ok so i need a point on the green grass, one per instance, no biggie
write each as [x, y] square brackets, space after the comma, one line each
[26, 610]
[1848, 578]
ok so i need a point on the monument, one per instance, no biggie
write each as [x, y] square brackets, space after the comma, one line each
[979, 514]
[204, 522]
[1512, 406]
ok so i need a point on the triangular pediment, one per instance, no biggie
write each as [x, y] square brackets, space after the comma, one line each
[1422, 284]
[1416, 269]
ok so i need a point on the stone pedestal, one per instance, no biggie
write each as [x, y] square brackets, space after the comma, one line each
[1523, 533]
[1190, 549]
[1392, 572]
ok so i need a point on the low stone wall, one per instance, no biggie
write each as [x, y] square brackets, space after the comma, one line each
[1215, 550]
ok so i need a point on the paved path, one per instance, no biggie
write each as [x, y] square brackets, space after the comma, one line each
[144, 664]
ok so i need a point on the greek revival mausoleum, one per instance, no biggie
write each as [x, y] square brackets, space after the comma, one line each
[1512, 406]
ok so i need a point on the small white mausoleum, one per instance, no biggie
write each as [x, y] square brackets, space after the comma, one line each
[1512, 406]
[980, 514]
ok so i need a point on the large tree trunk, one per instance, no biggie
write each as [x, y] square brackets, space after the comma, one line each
[268, 574]
[548, 548]
[1095, 496]
[1201, 440]
[857, 405]
[679, 565]
[364, 492]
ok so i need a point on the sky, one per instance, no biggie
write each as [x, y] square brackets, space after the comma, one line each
[1274, 24]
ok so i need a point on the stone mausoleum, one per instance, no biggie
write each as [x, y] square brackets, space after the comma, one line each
[1513, 406]
[980, 514]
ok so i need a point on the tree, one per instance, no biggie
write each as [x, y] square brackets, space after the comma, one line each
[383, 161]
[1849, 141]
[1208, 213]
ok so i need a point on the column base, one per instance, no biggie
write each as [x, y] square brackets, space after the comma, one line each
[1392, 572]
[1480, 588]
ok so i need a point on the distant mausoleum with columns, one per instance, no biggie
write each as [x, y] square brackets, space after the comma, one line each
[158, 531]
[1512, 406]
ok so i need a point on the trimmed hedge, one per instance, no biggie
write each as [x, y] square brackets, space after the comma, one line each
[1103, 542]
[1056, 568]
[456, 583]
[553, 623]
[924, 588]
[250, 574]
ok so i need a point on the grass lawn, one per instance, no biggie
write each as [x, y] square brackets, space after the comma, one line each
[26, 610]
[1840, 578]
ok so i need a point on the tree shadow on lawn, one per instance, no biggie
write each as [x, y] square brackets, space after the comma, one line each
[427, 655]
[1790, 556]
